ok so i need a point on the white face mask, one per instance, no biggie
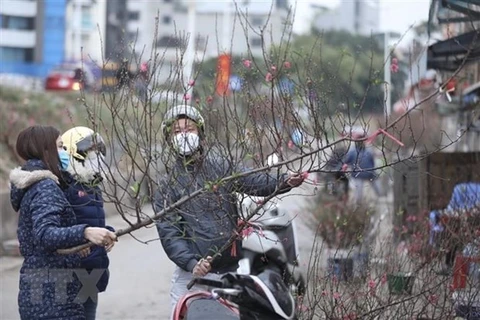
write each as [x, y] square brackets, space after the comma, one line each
[95, 162]
[90, 169]
[186, 143]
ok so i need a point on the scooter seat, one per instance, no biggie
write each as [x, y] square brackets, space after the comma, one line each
[202, 309]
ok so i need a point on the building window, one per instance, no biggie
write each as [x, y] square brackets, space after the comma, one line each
[171, 42]
[133, 15]
[87, 22]
[17, 23]
[256, 42]
[9, 54]
[201, 43]
[257, 21]
[282, 4]
[166, 19]
[132, 36]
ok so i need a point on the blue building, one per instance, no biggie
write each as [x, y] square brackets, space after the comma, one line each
[32, 36]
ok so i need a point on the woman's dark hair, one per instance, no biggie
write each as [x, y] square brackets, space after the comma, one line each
[40, 142]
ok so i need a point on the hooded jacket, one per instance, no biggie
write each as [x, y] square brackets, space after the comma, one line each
[204, 224]
[363, 163]
[46, 223]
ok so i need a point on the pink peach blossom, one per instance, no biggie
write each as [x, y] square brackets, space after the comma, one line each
[247, 63]
[246, 232]
[384, 279]
[268, 77]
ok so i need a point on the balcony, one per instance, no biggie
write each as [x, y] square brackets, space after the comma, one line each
[454, 11]
[17, 38]
[24, 9]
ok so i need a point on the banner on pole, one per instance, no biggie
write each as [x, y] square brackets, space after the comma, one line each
[223, 74]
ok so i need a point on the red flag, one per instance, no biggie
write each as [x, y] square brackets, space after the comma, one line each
[223, 74]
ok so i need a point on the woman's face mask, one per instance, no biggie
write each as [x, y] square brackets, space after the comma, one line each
[64, 159]
[186, 143]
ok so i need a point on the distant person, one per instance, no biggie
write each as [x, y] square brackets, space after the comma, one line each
[47, 223]
[79, 76]
[361, 162]
[141, 82]
[124, 75]
[337, 176]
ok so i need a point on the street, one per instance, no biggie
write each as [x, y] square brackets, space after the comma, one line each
[140, 274]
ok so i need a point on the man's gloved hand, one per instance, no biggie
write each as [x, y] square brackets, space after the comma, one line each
[296, 179]
[202, 267]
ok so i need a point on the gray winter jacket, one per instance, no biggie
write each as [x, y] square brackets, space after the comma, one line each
[205, 223]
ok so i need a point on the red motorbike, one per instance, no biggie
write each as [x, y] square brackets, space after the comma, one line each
[238, 297]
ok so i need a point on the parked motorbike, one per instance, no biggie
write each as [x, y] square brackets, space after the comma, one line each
[272, 244]
[238, 297]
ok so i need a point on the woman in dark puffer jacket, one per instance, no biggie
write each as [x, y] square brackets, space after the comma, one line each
[48, 284]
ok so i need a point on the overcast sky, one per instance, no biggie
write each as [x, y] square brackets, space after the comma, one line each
[395, 15]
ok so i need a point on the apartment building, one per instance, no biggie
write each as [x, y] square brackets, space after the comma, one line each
[32, 36]
[85, 29]
[355, 16]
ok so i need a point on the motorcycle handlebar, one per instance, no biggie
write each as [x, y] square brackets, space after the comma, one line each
[206, 282]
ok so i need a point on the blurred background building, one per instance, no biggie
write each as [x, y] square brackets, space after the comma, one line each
[355, 16]
[85, 26]
[32, 36]
[219, 27]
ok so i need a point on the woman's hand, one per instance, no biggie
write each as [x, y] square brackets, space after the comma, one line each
[202, 267]
[100, 236]
[109, 247]
[84, 252]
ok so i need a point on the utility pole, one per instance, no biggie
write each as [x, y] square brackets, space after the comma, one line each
[226, 27]
[190, 52]
[77, 26]
[387, 75]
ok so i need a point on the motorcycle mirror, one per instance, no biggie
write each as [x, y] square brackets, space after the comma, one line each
[272, 159]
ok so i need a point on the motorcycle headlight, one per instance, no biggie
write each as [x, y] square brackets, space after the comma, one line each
[76, 86]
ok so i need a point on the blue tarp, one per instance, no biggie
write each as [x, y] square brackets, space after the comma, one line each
[465, 196]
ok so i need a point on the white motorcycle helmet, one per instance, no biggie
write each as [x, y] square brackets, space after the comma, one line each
[178, 112]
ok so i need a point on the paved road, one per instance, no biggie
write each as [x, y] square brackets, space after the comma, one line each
[140, 274]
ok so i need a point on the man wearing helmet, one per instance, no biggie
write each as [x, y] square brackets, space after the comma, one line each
[86, 151]
[201, 226]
